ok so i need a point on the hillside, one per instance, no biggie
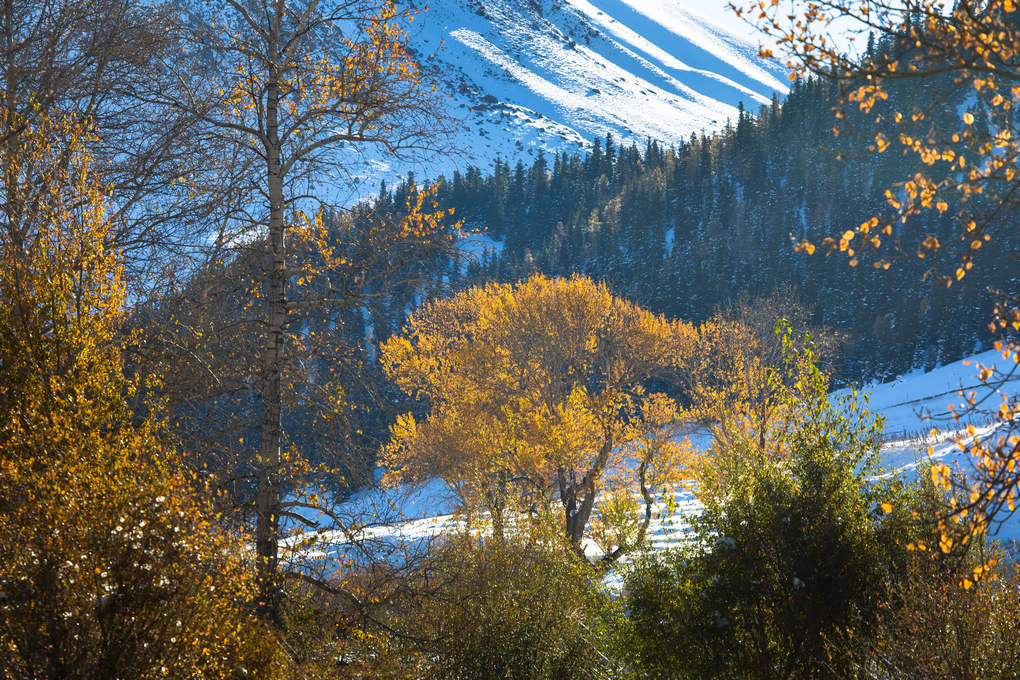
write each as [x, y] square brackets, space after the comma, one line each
[685, 229]
[525, 75]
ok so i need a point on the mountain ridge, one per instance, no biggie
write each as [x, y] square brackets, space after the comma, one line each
[525, 76]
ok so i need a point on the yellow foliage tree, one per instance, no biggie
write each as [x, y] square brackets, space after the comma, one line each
[536, 393]
[110, 566]
[971, 49]
[747, 386]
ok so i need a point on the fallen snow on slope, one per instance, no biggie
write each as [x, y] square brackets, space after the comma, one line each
[916, 403]
[530, 75]
[911, 404]
[714, 28]
[907, 400]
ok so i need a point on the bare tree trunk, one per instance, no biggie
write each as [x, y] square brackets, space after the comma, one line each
[286, 79]
[578, 513]
[268, 499]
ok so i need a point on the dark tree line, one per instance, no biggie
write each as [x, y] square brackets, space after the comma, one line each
[685, 229]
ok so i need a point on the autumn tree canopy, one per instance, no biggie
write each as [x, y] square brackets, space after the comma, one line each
[753, 367]
[112, 565]
[539, 393]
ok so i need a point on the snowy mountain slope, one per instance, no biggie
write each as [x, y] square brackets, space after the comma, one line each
[906, 402]
[525, 75]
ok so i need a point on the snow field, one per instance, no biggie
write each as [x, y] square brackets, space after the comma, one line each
[911, 405]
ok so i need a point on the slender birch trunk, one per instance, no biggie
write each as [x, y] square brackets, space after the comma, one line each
[268, 499]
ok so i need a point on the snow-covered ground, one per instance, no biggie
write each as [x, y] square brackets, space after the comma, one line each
[530, 75]
[912, 404]
[915, 403]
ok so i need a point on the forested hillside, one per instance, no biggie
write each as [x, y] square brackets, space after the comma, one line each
[684, 230]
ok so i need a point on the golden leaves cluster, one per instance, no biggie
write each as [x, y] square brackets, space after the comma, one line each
[62, 288]
[349, 71]
[536, 390]
[968, 165]
[111, 561]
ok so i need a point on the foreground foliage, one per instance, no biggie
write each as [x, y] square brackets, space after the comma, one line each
[512, 609]
[808, 563]
[922, 55]
[790, 550]
[110, 566]
[933, 626]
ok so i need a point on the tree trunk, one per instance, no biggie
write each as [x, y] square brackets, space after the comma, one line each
[497, 495]
[268, 499]
[578, 513]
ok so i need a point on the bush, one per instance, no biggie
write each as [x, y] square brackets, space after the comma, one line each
[792, 554]
[942, 622]
[111, 569]
[510, 609]
[110, 565]
[809, 564]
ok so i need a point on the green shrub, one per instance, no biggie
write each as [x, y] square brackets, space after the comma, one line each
[792, 554]
[510, 609]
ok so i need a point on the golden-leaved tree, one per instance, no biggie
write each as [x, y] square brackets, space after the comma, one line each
[737, 391]
[753, 367]
[968, 54]
[297, 93]
[111, 566]
[537, 394]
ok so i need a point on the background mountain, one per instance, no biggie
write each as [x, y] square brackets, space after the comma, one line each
[530, 75]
